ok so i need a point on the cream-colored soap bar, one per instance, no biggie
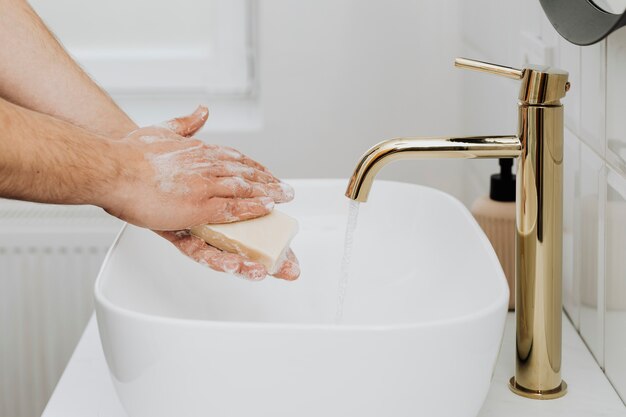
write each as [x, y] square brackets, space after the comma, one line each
[265, 239]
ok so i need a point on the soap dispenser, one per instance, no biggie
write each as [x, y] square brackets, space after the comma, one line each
[496, 215]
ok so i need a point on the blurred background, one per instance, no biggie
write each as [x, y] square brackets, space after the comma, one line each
[306, 88]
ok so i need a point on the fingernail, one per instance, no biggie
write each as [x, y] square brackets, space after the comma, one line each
[288, 190]
[202, 111]
[289, 271]
[268, 202]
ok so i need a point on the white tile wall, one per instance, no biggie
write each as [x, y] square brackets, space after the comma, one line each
[594, 256]
[615, 239]
[616, 99]
[588, 232]
[570, 59]
[615, 325]
[593, 96]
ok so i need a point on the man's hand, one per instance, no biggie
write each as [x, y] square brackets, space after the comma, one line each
[170, 182]
[201, 252]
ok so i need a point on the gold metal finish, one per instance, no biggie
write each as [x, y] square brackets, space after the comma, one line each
[540, 84]
[426, 148]
[552, 394]
[539, 222]
[543, 86]
[472, 64]
[539, 219]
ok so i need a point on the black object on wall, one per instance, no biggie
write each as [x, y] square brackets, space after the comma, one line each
[583, 22]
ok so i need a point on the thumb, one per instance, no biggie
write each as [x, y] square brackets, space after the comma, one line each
[188, 125]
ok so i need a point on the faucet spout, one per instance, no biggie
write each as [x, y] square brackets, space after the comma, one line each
[426, 148]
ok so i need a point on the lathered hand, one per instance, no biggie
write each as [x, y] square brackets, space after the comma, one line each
[171, 182]
[201, 252]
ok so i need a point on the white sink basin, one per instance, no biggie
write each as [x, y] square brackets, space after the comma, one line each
[423, 318]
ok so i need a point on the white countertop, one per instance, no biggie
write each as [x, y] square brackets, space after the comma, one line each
[85, 389]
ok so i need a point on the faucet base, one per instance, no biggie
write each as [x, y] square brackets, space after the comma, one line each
[557, 392]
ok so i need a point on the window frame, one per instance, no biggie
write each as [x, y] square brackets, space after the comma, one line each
[225, 69]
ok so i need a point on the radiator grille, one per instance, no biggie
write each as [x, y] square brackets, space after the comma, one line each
[49, 259]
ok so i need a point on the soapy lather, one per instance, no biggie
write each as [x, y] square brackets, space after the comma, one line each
[209, 184]
[264, 240]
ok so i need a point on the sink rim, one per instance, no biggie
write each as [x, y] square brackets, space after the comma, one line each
[498, 303]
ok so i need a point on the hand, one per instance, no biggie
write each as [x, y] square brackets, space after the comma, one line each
[198, 250]
[171, 182]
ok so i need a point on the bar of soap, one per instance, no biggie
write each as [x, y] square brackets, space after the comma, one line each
[264, 239]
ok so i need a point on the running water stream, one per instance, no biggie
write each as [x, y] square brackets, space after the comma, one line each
[353, 215]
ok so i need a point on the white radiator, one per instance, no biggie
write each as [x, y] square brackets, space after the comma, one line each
[49, 259]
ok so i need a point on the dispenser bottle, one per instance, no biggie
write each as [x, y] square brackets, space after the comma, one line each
[496, 215]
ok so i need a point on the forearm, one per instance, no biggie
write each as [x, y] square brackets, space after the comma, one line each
[38, 74]
[48, 160]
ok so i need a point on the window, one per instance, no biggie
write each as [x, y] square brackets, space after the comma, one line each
[148, 53]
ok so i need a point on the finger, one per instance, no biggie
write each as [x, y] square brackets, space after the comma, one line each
[233, 187]
[251, 162]
[290, 269]
[207, 255]
[229, 210]
[234, 169]
[231, 263]
[236, 187]
[188, 125]
[292, 256]
[230, 154]
[281, 192]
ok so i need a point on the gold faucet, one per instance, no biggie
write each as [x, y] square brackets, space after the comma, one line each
[539, 212]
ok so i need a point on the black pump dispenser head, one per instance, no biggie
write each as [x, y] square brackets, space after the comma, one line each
[503, 184]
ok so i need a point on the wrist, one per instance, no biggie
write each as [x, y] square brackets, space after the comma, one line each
[110, 192]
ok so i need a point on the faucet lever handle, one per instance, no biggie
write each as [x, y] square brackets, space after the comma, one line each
[541, 85]
[472, 64]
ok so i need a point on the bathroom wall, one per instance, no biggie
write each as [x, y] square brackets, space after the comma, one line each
[514, 33]
[336, 77]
